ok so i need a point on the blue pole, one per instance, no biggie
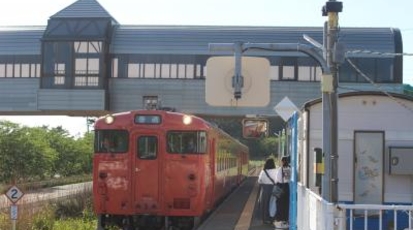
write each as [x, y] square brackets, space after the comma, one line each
[294, 171]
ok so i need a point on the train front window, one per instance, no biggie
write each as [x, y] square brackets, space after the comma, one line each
[147, 147]
[188, 142]
[111, 141]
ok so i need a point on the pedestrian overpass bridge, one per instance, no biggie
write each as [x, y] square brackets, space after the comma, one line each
[84, 63]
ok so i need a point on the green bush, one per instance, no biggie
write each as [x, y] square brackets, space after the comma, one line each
[4, 221]
[43, 220]
[78, 224]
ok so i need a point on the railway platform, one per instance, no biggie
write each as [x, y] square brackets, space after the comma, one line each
[237, 212]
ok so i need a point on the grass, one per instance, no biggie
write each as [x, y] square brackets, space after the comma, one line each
[71, 213]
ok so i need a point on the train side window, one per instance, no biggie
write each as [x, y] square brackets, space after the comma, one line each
[147, 147]
[186, 142]
[111, 141]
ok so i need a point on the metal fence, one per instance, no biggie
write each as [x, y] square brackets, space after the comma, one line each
[314, 213]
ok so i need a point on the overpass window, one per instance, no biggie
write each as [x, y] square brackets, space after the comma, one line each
[87, 63]
[59, 80]
[59, 68]
[20, 70]
[140, 70]
[88, 47]
[384, 70]
[274, 73]
[86, 81]
[59, 71]
[87, 71]
[309, 73]
[174, 71]
[115, 62]
[163, 70]
[9, 70]
[308, 69]
[2, 70]
[288, 72]
[367, 67]
[133, 70]
[317, 72]
[378, 70]
[25, 72]
[136, 70]
[346, 72]
[181, 71]
[204, 70]
[198, 73]
[150, 71]
[34, 70]
[190, 69]
[17, 70]
[304, 73]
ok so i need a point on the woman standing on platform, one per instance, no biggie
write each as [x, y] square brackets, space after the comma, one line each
[266, 180]
[283, 176]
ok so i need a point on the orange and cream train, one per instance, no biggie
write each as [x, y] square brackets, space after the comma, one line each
[157, 169]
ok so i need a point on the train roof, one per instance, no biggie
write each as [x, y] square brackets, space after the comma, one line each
[361, 93]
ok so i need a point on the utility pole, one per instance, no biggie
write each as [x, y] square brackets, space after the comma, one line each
[329, 84]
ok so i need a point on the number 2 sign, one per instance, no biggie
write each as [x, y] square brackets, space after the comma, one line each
[14, 194]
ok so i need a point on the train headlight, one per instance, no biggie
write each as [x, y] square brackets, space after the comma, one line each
[109, 119]
[187, 120]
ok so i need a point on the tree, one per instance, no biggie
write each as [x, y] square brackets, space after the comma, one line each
[408, 90]
[39, 152]
[85, 145]
[268, 146]
[73, 155]
[25, 153]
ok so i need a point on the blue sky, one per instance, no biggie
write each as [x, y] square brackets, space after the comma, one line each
[356, 13]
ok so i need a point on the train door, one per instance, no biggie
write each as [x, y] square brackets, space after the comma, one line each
[368, 178]
[146, 172]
